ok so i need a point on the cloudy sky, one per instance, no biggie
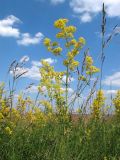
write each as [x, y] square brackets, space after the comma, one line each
[24, 24]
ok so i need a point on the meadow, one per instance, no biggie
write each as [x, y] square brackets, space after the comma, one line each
[46, 128]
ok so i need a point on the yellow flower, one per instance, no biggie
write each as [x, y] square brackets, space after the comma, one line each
[60, 23]
[70, 56]
[82, 40]
[57, 51]
[79, 110]
[8, 130]
[105, 158]
[1, 116]
[30, 116]
[73, 42]
[60, 35]
[54, 44]
[82, 78]
[73, 65]
[70, 29]
[116, 102]
[47, 42]
[89, 61]
[88, 132]
[65, 62]
[98, 103]
[46, 104]
[92, 70]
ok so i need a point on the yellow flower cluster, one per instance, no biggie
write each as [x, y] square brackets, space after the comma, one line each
[82, 78]
[71, 43]
[1, 116]
[97, 104]
[52, 82]
[73, 65]
[46, 104]
[8, 131]
[82, 40]
[116, 102]
[90, 69]
[47, 42]
[66, 31]
[52, 47]
[60, 23]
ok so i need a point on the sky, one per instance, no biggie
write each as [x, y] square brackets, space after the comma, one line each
[25, 23]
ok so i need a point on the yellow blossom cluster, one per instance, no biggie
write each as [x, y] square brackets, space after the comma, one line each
[52, 47]
[52, 82]
[67, 33]
[46, 104]
[116, 102]
[97, 104]
[90, 69]
[60, 23]
[8, 130]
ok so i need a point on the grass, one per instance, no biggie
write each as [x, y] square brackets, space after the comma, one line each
[94, 140]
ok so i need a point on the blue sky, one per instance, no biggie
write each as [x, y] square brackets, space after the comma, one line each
[24, 24]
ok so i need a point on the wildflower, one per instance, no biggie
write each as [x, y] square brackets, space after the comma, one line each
[82, 78]
[97, 104]
[30, 116]
[116, 102]
[89, 61]
[60, 23]
[65, 62]
[79, 110]
[70, 29]
[60, 35]
[70, 56]
[8, 130]
[73, 65]
[57, 51]
[54, 44]
[46, 104]
[82, 41]
[47, 42]
[1, 116]
[90, 69]
[88, 133]
[73, 42]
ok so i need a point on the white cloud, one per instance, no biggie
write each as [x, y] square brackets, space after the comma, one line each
[87, 9]
[49, 60]
[32, 89]
[109, 92]
[86, 17]
[113, 80]
[27, 39]
[70, 90]
[55, 2]
[24, 59]
[32, 72]
[7, 28]
[70, 79]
